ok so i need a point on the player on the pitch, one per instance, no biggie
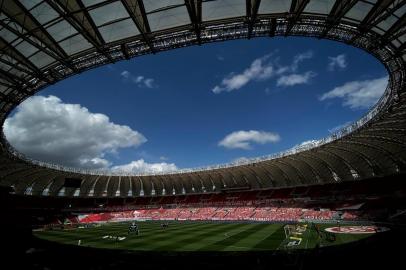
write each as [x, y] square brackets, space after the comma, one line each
[133, 228]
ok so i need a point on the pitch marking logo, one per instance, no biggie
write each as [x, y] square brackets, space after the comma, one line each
[356, 229]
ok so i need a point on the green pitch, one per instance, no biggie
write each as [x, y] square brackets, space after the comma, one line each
[190, 236]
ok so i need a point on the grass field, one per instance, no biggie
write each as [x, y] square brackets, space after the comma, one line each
[191, 236]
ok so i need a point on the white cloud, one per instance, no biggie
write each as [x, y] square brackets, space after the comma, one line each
[358, 94]
[47, 129]
[308, 142]
[139, 80]
[243, 139]
[125, 74]
[300, 58]
[93, 163]
[305, 144]
[339, 127]
[294, 79]
[339, 61]
[140, 166]
[261, 68]
[149, 83]
[258, 70]
[241, 160]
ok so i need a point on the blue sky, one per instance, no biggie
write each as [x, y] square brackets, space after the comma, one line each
[204, 105]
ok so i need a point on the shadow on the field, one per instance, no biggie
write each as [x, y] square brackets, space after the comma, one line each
[379, 251]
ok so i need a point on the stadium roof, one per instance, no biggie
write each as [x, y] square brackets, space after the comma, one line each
[43, 42]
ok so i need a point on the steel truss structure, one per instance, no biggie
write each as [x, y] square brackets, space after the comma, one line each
[45, 41]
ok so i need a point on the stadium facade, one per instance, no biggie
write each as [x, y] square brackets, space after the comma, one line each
[45, 41]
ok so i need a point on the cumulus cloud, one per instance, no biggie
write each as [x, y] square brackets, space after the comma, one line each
[294, 79]
[47, 129]
[241, 160]
[300, 58]
[149, 83]
[358, 94]
[243, 139]
[261, 69]
[258, 70]
[305, 144]
[125, 74]
[140, 166]
[139, 80]
[309, 142]
[93, 163]
[339, 127]
[338, 61]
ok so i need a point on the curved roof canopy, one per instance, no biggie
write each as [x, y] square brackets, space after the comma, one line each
[45, 41]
